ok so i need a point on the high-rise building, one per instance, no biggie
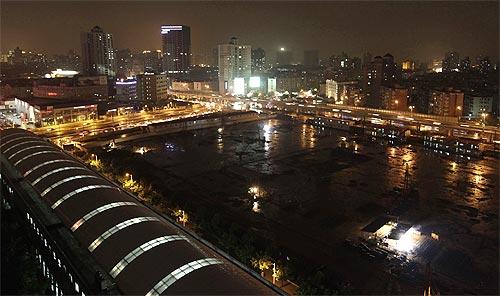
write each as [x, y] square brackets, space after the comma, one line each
[408, 65]
[258, 60]
[235, 66]
[394, 98]
[436, 66]
[367, 58]
[448, 102]
[485, 65]
[465, 65]
[382, 71]
[477, 104]
[75, 87]
[98, 53]
[311, 58]
[337, 90]
[284, 57]
[451, 61]
[124, 63]
[176, 42]
[152, 61]
[126, 90]
[69, 61]
[152, 87]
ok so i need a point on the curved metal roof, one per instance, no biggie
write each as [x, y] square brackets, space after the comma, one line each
[143, 252]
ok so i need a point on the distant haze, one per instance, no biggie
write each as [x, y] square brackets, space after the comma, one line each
[416, 29]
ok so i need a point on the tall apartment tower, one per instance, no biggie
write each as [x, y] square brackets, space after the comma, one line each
[235, 67]
[99, 57]
[176, 48]
[382, 71]
[451, 61]
[258, 61]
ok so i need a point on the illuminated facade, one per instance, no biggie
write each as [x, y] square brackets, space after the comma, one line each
[98, 53]
[235, 61]
[394, 98]
[77, 87]
[176, 42]
[152, 61]
[42, 112]
[408, 65]
[338, 90]
[126, 90]
[476, 105]
[271, 85]
[258, 61]
[447, 102]
[205, 86]
[451, 61]
[152, 87]
[380, 72]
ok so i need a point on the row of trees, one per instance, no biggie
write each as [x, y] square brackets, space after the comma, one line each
[241, 242]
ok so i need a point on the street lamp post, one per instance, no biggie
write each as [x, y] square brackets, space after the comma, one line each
[411, 109]
[484, 115]
[129, 175]
[274, 273]
[459, 112]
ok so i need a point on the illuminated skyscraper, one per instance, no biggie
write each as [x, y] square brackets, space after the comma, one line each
[382, 71]
[451, 61]
[176, 42]
[152, 61]
[258, 60]
[98, 53]
[235, 66]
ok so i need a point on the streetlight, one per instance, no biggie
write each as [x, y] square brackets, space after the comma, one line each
[484, 115]
[129, 175]
[411, 109]
[274, 273]
[93, 155]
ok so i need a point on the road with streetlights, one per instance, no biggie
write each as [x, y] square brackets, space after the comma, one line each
[449, 124]
[77, 130]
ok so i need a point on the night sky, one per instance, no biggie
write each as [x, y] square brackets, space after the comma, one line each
[420, 30]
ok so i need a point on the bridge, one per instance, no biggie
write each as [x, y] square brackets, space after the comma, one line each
[93, 237]
[443, 124]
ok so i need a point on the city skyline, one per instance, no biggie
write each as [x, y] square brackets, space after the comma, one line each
[421, 31]
[249, 147]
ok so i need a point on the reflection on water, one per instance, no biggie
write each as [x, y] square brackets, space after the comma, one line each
[315, 190]
[282, 150]
[220, 139]
[307, 139]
